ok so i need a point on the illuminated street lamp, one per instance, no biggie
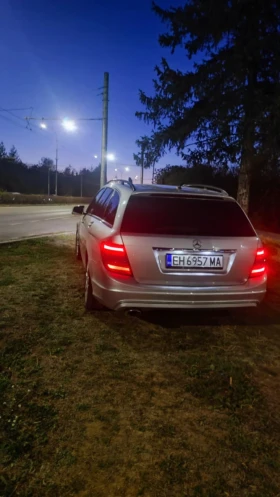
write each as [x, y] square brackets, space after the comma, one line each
[69, 125]
[120, 171]
[111, 157]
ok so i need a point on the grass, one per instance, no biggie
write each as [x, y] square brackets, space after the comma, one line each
[177, 404]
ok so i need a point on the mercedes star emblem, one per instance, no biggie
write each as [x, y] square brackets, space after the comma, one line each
[197, 244]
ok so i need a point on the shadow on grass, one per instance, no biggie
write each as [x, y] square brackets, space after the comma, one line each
[261, 316]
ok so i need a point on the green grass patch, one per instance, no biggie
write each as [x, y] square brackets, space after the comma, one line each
[102, 404]
[222, 382]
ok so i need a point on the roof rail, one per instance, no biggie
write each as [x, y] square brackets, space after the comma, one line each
[203, 187]
[123, 182]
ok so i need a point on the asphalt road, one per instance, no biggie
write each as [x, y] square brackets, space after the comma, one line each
[19, 222]
[23, 221]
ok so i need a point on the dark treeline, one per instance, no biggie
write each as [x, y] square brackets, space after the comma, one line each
[264, 207]
[15, 176]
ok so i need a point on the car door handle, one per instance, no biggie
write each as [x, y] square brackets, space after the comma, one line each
[90, 224]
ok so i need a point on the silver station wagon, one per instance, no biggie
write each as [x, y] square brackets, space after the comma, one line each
[158, 246]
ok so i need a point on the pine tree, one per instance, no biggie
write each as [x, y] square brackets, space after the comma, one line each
[229, 103]
[13, 154]
[3, 152]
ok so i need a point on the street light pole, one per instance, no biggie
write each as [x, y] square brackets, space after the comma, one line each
[142, 162]
[56, 161]
[103, 171]
[48, 181]
[118, 171]
[70, 125]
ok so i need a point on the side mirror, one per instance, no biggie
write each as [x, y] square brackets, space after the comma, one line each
[78, 209]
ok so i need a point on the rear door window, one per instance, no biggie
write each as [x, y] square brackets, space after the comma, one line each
[102, 202]
[91, 207]
[112, 208]
[98, 205]
[180, 215]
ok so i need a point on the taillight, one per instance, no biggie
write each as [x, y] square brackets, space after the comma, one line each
[259, 267]
[114, 258]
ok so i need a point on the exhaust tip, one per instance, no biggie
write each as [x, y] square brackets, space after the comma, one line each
[134, 312]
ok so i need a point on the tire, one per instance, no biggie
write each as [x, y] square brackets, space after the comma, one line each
[77, 248]
[91, 304]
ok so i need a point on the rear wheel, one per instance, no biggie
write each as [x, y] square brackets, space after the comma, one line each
[91, 303]
[77, 248]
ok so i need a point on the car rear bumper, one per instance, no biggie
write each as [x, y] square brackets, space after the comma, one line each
[123, 296]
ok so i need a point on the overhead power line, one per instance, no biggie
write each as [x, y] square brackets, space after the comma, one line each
[20, 108]
[13, 122]
[11, 113]
[59, 119]
[30, 118]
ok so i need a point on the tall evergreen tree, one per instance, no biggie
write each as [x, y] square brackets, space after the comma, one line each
[229, 102]
[3, 152]
[13, 154]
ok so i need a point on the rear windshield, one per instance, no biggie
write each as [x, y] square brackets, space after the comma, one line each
[174, 215]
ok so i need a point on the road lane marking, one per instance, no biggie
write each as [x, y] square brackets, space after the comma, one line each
[15, 224]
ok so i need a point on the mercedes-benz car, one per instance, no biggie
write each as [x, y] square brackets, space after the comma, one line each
[158, 246]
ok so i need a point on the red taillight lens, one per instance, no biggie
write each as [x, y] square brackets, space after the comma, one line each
[257, 271]
[115, 259]
[259, 267]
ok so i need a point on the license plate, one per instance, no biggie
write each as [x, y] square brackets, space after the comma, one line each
[187, 261]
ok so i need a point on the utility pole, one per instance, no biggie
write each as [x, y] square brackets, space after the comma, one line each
[153, 177]
[142, 162]
[81, 174]
[103, 171]
[56, 161]
[48, 181]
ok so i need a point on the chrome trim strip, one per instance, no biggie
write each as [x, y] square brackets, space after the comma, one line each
[200, 251]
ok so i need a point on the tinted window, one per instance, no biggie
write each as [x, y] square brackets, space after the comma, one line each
[112, 207]
[174, 215]
[90, 209]
[101, 203]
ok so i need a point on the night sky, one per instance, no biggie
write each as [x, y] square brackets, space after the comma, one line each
[53, 57]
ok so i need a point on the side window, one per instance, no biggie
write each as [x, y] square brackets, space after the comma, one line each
[112, 207]
[91, 207]
[101, 203]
